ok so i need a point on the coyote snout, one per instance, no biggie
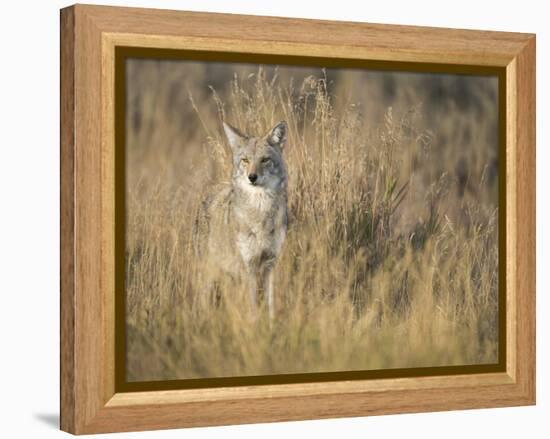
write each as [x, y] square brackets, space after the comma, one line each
[242, 225]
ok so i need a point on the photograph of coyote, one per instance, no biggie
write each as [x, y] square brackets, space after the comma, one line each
[297, 219]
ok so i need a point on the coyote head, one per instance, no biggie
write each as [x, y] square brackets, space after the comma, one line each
[258, 161]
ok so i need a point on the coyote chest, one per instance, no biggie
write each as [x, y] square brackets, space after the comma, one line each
[262, 229]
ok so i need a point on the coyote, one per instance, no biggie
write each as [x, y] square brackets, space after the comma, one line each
[241, 226]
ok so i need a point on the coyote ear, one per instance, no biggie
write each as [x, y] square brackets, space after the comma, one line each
[278, 134]
[234, 136]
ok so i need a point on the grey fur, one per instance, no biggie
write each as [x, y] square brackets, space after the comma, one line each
[241, 226]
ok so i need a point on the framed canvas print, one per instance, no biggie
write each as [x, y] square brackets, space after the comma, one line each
[268, 219]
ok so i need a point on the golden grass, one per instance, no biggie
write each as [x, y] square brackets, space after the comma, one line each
[391, 257]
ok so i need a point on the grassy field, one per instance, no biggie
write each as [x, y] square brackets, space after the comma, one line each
[391, 257]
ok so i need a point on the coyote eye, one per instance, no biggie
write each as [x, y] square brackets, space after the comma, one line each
[265, 160]
[245, 160]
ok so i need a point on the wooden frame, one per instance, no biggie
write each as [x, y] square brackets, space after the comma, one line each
[89, 36]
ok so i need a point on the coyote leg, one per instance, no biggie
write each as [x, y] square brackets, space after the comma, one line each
[265, 282]
[253, 293]
[268, 288]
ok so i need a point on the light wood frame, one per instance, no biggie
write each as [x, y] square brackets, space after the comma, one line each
[89, 35]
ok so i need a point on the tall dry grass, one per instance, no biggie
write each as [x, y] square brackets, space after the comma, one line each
[391, 256]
